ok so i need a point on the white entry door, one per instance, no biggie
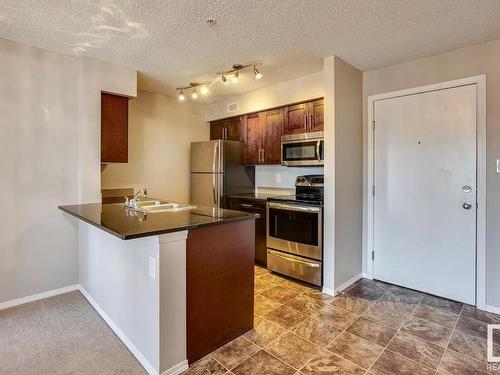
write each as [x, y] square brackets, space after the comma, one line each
[425, 192]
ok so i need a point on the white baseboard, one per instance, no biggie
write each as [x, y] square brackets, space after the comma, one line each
[177, 369]
[329, 291]
[121, 335]
[493, 309]
[348, 283]
[366, 275]
[37, 297]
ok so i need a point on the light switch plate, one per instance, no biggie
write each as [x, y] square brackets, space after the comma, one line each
[278, 177]
[498, 165]
[152, 267]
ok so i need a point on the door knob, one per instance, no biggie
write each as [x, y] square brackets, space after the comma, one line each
[467, 205]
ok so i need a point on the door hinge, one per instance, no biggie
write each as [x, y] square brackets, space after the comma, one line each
[373, 255]
[373, 125]
[373, 190]
[477, 205]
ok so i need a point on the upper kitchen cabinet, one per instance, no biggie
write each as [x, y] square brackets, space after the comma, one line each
[114, 128]
[304, 117]
[296, 117]
[272, 129]
[316, 115]
[226, 129]
[262, 137]
[252, 127]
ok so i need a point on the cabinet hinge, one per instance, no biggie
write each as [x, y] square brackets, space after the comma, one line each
[373, 125]
[373, 255]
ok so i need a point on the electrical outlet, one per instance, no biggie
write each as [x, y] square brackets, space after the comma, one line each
[152, 267]
[278, 177]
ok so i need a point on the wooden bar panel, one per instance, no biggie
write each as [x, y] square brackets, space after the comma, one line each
[220, 285]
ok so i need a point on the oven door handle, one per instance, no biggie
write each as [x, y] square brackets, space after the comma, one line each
[290, 207]
[307, 264]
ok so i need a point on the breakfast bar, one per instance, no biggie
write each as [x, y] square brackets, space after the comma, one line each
[173, 284]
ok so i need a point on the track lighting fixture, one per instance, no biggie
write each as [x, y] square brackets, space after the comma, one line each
[233, 74]
[194, 93]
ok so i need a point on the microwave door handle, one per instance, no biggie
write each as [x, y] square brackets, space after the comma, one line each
[318, 154]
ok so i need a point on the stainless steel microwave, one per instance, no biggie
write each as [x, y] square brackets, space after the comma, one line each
[302, 150]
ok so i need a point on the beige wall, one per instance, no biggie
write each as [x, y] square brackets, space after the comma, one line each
[295, 90]
[343, 211]
[474, 60]
[348, 172]
[161, 130]
[50, 108]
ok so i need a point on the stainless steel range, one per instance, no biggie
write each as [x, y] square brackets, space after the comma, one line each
[295, 231]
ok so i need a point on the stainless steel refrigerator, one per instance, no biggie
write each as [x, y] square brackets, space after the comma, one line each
[217, 171]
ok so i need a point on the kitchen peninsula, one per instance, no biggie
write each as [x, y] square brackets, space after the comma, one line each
[173, 285]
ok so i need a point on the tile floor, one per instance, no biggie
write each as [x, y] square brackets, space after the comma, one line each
[372, 328]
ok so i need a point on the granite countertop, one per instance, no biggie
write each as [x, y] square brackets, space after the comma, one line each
[127, 224]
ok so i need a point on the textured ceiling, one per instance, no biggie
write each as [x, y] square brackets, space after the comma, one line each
[170, 43]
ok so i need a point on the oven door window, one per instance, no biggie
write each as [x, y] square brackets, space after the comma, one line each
[300, 151]
[294, 226]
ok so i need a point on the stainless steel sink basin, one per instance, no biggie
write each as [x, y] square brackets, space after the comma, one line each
[150, 206]
[166, 207]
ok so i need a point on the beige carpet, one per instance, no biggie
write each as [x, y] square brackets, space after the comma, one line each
[61, 335]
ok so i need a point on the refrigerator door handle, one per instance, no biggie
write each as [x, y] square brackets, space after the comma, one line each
[214, 161]
[214, 189]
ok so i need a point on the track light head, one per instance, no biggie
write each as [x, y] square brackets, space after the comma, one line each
[181, 96]
[258, 75]
[194, 94]
[204, 90]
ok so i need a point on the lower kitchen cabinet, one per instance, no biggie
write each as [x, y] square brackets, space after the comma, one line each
[257, 206]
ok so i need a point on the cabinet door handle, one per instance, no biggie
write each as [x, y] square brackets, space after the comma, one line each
[246, 205]
[305, 122]
[263, 155]
[310, 121]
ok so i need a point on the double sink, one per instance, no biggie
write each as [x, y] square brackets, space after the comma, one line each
[151, 206]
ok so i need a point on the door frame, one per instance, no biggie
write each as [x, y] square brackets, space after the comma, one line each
[480, 82]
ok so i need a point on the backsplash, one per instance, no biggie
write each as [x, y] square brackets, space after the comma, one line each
[277, 176]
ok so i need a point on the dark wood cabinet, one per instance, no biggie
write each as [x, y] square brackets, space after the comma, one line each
[252, 128]
[256, 206]
[226, 129]
[261, 132]
[114, 128]
[262, 137]
[304, 117]
[217, 129]
[316, 115]
[296, 119]
[272, 130]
